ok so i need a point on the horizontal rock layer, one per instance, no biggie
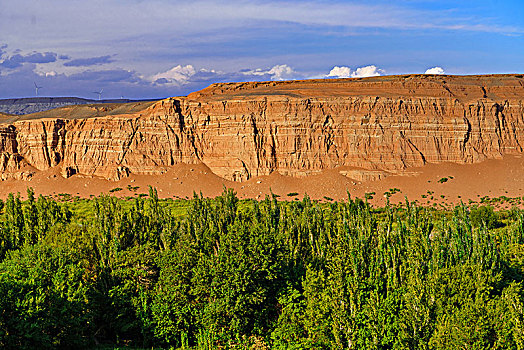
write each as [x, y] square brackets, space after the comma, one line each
[245, 130]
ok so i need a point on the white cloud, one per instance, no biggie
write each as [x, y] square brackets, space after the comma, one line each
[282, 72]
[435, 70]
[367, 71]
[189, 77]
[176, 75]
[339, 72]
[361, 72]
[278, 72]
[44, 70]
[51, 73]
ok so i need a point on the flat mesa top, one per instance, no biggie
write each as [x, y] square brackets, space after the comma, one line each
[463, 88]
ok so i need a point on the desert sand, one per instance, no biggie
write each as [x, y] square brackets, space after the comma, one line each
[465, 183]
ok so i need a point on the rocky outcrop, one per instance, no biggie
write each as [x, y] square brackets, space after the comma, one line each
[296, 128]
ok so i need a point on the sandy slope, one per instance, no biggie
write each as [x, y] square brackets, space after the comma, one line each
[492, 178]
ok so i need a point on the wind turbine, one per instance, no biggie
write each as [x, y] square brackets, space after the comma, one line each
[36, 88]
[99, 94]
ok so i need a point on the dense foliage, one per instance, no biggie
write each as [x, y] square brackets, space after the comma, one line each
[270, 274]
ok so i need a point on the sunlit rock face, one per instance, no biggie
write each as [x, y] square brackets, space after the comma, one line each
[241, 130]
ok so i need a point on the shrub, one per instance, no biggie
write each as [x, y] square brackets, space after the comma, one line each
[484, 215]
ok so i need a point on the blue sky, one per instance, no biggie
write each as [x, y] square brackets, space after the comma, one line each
[160, 48]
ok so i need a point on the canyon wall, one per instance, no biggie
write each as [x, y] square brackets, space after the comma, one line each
[296, 128]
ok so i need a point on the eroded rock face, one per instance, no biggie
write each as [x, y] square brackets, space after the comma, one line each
[245, 130]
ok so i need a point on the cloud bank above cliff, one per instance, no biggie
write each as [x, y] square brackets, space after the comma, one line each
[361, 72]
[183, 75]
[168, 47]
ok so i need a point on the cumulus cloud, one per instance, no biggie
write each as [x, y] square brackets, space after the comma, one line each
[50, 73]
[177, 75]
[435, 70]
[368, 71]
[189, 75]
[278, 72]
[91, 61]
[17, 60]
[339, 72]
[361, 72]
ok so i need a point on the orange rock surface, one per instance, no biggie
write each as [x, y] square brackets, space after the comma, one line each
[296, 128]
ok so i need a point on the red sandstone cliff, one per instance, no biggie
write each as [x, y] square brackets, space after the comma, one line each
[297, 128]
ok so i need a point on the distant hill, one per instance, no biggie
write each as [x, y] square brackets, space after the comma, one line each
[21, 106]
